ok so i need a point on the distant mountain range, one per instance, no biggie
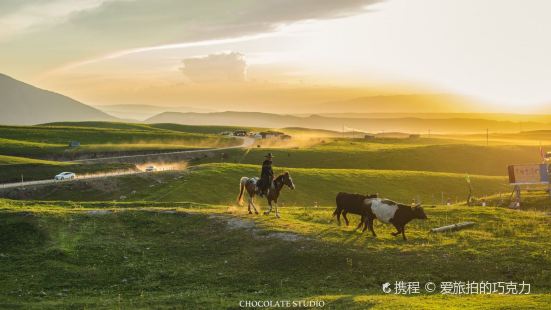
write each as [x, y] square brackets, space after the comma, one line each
[143, 111]
[376, 125]
[24, 104]
[406, 103]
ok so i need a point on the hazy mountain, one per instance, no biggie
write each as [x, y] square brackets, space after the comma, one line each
[406, 103]
[144, 111]
[538, 118]
[24, 104]
[412, 125]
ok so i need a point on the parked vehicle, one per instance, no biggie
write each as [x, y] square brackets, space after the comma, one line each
[65, 176]
[150, 169]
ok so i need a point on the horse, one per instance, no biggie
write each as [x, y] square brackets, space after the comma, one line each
[250, 184]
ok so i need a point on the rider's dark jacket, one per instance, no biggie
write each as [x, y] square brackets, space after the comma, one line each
[267, 174]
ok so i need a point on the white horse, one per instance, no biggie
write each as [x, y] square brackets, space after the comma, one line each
[250, 184]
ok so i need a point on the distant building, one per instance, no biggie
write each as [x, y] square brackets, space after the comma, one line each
[285, 137]
[74, 144]
[369, 137]
[414, 136]
[240, 133]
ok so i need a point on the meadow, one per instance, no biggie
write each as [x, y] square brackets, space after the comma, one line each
[40, 152]
[51, 140]
[219, 184]
[178, 238]
[435, 155]
[151, 254]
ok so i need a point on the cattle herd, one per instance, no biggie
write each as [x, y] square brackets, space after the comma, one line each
[371, 207]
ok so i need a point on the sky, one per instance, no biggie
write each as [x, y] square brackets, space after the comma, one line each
[254, 55]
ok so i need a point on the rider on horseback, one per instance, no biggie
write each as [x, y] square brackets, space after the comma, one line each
[267, 175]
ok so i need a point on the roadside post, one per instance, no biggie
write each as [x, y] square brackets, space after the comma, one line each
[523, 175]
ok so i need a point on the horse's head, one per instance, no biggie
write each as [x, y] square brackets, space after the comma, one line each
[287, 180]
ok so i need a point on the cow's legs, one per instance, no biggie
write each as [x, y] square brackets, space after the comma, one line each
[404, 232]
[369, 223]
[345, 218]
[399, 230]
[338, 214]
[361, 223]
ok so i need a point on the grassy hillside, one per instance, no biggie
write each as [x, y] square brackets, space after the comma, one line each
[13, 168]
[49, 141]
[398, 155]
[14, 160]
[147, 256]
[219, 184]
[111, 125]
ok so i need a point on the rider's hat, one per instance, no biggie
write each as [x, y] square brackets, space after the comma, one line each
[269, 155]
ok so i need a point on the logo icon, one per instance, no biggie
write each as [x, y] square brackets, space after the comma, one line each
[386, 288]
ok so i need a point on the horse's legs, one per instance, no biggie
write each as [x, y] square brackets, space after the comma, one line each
[276, 209]
[249, 204]
[269, 210]
[254, 207]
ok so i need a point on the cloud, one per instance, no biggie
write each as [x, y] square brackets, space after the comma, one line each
[86, 29]
[214, 68]
[21, 16]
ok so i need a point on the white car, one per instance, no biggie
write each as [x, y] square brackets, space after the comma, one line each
[150, 169]
[65, 176]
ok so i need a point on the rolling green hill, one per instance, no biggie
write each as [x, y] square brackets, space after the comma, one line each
[156, 255]
[394, 154]
[219, 184]
[52, 141]
[13, 169]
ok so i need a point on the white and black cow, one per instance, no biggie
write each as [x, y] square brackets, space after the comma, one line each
[354, 204]
[390, 212]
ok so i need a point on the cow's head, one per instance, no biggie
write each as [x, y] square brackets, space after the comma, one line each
[419, 213]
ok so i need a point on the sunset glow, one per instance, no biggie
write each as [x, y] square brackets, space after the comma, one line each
[488, 51]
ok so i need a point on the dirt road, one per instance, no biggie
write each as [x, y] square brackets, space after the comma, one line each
[247, 143]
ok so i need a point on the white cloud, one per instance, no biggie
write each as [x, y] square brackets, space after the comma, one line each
[230, 67]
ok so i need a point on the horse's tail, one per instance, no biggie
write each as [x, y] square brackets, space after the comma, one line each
[242, 189]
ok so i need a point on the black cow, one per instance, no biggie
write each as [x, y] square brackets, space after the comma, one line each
[390, 212]
[352, 203]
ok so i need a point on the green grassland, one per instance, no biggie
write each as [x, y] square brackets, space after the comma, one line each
[177, 239]
[219, 184]
[417, 155]
[193, 256]
[12, 168]
[155, 127]
[48, 140]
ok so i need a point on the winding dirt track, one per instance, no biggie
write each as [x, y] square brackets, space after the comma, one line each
[247, 143]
